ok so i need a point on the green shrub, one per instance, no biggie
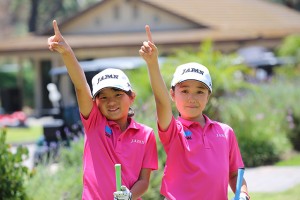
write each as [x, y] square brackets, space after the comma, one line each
[294, 133]
[261, 122]
[72, 156]
[10, 80]
[290, 47]
[12, 172]
[48, 184]
[62, 180]
[293, 111]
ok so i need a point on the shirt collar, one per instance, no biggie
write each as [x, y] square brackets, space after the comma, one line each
[188, 123]
[132, 124]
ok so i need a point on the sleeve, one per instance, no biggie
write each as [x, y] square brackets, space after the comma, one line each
[151, 158]
[235, 157]
[93, 119]
[167, 137]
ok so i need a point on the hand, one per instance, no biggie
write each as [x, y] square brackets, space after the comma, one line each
[124, 194]
[243, 196]
[148, 50]
[57, 42]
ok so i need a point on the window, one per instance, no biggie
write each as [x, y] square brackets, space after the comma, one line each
[116, 12]
[97, 21]
[135, 12]
[156, 19]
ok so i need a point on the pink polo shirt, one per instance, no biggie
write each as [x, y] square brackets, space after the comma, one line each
[105, 145]
[198, 160]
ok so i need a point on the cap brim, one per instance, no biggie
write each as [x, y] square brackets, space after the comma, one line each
[174, 84]
[99, 90]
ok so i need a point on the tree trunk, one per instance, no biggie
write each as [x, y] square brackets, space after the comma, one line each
[33, 16]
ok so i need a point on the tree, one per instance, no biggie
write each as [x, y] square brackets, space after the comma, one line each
[34, 15]
[293, 4]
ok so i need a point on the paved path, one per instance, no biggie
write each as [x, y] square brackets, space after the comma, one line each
[272, 178]
[260, 179]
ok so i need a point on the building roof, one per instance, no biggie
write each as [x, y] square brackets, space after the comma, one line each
[242, 15]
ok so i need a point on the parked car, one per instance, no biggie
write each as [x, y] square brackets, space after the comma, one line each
[261, 59]
[15, 119]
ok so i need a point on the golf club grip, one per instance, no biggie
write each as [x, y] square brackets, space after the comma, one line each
[239, 182]
[118, 176]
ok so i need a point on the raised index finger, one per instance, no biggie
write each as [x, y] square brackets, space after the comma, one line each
[56, 29]
[148, 32]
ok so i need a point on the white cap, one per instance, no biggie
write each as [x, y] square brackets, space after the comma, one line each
[192, 71]
[110, 77]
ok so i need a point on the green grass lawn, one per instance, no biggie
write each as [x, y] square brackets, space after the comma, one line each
[293, 161]
[18, 135]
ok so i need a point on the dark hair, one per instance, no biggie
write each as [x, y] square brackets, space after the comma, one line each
[130, 111]
[173, 88]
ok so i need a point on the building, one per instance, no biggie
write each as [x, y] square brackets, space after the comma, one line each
[113, 28]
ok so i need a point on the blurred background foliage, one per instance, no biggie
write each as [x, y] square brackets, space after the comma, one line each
[13, 175]
[9, 79]
[59, 181]
[36, 15]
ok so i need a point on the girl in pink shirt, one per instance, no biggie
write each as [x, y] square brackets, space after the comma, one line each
[111, 134]
[203, 156]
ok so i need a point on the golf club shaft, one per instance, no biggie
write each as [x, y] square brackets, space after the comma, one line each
[239, 183]
[118, 176]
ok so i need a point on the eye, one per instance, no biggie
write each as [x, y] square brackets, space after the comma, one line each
[101, 97]
[119, 94]
[184, 91]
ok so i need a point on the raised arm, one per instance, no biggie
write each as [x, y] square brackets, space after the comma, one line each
[84, 97]
[149, 53]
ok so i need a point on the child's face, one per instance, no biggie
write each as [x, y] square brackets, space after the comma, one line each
[114, 104]
[190, 98]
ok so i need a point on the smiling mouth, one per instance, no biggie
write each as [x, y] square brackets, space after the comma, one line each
[192, 106]
[113, 109]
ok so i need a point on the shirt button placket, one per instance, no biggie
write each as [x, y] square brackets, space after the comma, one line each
[206, 143]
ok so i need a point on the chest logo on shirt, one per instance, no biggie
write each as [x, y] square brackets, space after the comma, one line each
[188, 134]
[137, 141]
[220, 135]
[108, 131]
